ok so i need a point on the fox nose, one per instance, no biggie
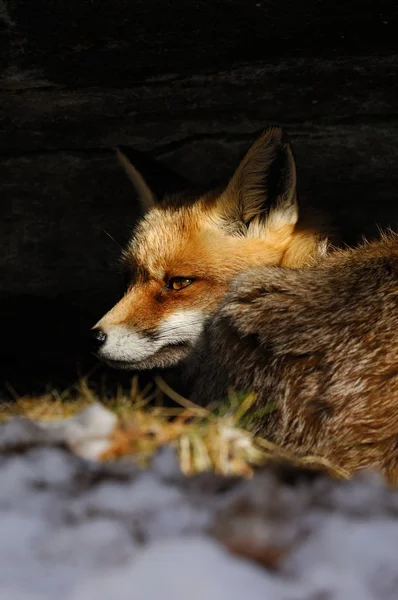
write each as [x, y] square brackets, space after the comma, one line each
[98, 337]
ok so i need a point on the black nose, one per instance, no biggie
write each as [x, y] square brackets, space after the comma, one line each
[98, 336]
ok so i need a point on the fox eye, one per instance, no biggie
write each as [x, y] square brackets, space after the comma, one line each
[178, 283]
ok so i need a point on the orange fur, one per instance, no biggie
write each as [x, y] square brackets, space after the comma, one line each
[212, 239]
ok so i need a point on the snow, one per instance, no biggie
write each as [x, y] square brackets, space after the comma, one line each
[72, 528]
[87, 433]
[194, 568]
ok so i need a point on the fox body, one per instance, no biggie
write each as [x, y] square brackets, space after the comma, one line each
[238, 287]
[185, 251]
[319, 348]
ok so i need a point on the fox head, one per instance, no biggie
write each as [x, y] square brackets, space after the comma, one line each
[184, 252]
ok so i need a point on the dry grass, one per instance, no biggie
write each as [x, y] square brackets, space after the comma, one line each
[205, 439]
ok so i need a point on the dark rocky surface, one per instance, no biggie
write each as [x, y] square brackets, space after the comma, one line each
[115, 44]
[190, 84]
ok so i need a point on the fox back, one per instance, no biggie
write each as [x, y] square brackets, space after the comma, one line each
[186, 250]
[319, 348]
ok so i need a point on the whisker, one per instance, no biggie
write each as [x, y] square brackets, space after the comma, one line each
[176, 329]
[167, 337]
[184, 326]
[113, 239]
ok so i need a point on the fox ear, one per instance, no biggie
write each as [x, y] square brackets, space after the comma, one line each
[145, 194]
[264, 185]
[152, 179]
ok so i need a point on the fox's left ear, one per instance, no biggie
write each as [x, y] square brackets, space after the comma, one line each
[264, 185]
[145, 194]
[152, 179]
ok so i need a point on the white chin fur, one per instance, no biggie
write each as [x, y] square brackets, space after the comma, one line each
[128, 345]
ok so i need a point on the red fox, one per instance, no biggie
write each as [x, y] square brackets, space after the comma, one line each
[318, 346]
[185, 252]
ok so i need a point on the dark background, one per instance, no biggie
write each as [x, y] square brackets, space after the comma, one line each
[190, 83]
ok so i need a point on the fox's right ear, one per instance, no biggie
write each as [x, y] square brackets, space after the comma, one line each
[145, 194]
[264, 185]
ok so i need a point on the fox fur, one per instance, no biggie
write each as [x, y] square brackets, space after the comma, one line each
[260, 305]
[199, 245]
[318, 347]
